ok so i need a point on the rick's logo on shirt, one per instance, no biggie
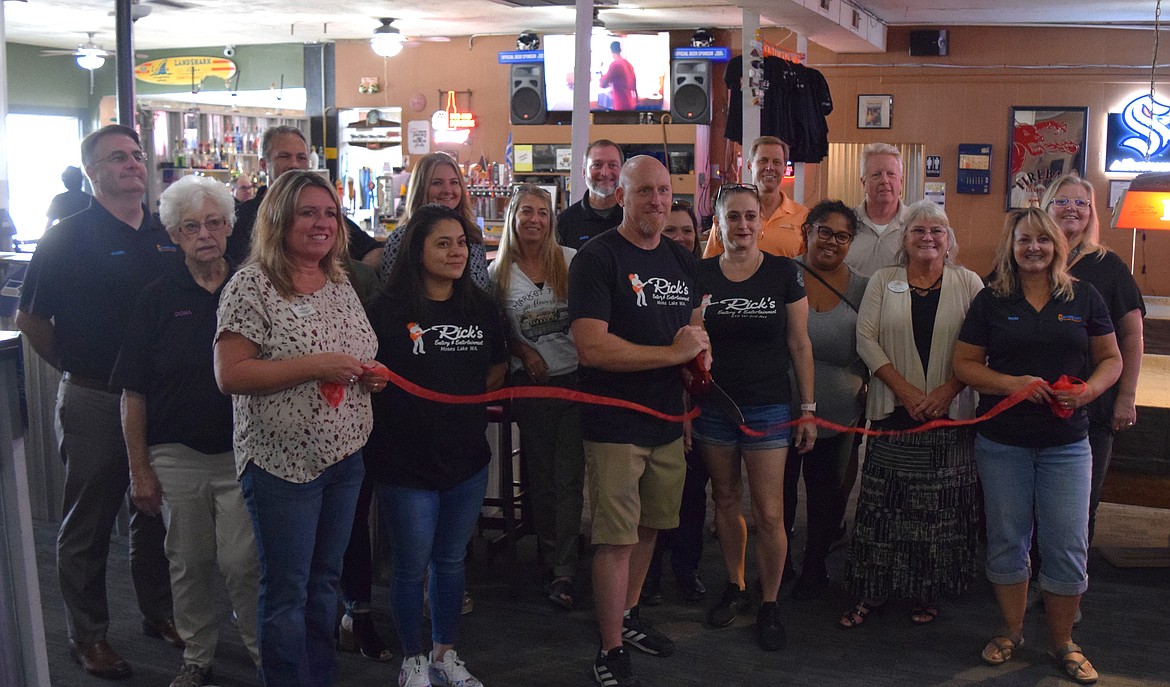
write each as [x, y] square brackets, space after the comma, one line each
[663, 291]
[446, 337]
[739, 307]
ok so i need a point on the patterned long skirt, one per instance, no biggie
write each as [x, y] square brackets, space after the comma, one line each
[918, 516]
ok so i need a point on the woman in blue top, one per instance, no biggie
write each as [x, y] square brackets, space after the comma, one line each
[1035, 323]
[756, 313]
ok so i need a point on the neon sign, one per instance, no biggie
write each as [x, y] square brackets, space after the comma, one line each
[1138, 137]
[451, 125]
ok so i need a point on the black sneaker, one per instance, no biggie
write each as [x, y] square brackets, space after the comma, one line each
[614, 669]
[769, 631]
[640, 634]
[734, 601]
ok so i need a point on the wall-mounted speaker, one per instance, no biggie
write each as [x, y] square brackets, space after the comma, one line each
[526, 86]
[690, 91]
[929, 43]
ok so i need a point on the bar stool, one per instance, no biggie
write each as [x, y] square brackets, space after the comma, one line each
[515, 518]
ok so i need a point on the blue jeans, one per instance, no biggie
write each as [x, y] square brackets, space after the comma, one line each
[1056, 480]
[301, 534]
[715, 428]
[429, 529]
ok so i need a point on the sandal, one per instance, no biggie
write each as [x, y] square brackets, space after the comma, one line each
[1000, 648]
[923, 614]
[855, 617]
[560, 592]
[1081, 672]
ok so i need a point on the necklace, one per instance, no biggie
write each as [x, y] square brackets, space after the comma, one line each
[725, 264]
[923, 291]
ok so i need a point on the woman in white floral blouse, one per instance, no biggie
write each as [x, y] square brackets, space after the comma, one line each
[289, 320]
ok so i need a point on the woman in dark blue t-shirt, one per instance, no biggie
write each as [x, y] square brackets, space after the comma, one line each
[1035, 323]
[756, 313]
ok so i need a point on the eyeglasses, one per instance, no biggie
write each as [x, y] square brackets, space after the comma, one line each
[935, 232]
[120, 158]
[730, 188]
[214, 226]
[1064, 202]
[843, 238]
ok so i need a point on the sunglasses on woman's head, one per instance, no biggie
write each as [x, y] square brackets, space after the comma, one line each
[728, 188]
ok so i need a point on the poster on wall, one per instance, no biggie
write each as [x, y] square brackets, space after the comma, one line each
[1046, 142]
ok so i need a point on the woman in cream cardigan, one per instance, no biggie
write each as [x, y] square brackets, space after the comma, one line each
[916, 526]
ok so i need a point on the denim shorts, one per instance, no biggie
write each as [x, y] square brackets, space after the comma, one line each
[713, 427]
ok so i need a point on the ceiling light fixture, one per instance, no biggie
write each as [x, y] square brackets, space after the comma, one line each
[387, 40]
[90, 58]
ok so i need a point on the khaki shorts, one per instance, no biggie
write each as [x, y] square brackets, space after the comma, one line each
[632, 486]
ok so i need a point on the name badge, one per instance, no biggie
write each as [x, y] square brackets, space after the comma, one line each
[898, 286]
[304, 310]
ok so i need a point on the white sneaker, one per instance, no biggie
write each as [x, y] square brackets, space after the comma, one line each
[414, 672]
[450, 672]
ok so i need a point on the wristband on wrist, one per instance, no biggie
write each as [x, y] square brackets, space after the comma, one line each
[808, 407]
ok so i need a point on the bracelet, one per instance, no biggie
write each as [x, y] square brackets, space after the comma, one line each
[808, 407]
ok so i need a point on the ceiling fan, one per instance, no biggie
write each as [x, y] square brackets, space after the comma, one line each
[89, 55]
[388, 41]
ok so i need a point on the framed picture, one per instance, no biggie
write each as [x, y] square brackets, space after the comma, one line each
[874, 111]
[1116, 188]
[1046, 142]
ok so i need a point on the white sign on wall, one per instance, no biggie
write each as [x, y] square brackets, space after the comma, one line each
[418, 137]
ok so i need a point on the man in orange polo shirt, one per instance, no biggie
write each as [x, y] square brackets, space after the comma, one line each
[767, 160]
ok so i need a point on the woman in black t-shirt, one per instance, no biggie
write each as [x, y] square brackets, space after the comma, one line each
[756, 313]
[429, 459]
[1071, 203]
[1035, 323]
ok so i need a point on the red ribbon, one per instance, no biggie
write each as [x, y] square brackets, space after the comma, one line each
[514, 392]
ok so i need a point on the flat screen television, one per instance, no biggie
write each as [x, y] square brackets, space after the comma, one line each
[635, 77]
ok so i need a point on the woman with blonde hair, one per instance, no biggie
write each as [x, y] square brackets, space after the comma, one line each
[1071, 202]
[287, 321]
[531, 278]
[1033, 325]
[437, 179]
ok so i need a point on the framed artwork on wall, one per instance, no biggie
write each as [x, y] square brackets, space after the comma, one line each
[1045, 143]
[874, 111]
[1116, 188]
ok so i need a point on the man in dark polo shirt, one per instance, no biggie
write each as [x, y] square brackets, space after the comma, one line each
[283, 148]
[632, 296]
[85, 275]
[598, 210]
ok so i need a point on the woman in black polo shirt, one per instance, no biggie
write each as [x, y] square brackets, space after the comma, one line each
[178, 427]
[1035, 323]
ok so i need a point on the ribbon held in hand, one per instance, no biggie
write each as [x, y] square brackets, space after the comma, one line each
[334, 393]
[1065, 383]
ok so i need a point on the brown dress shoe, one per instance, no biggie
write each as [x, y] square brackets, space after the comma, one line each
[164, 630]
[99, 659]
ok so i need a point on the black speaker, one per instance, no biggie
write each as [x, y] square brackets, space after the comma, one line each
[929, 43]
[690, 92]
[526, 86]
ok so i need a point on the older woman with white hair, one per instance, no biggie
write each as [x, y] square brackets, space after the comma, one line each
[917, 521]
[178, 428]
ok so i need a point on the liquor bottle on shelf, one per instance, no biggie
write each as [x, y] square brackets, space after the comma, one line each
[239, 141]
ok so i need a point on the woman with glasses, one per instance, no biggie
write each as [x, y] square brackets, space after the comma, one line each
[755, 311]
[1033, 324]
[1071, 203]
[178, 428]
[917, 521]
[830, 468]
[685, 542]
[531, 278]
[287, 321]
